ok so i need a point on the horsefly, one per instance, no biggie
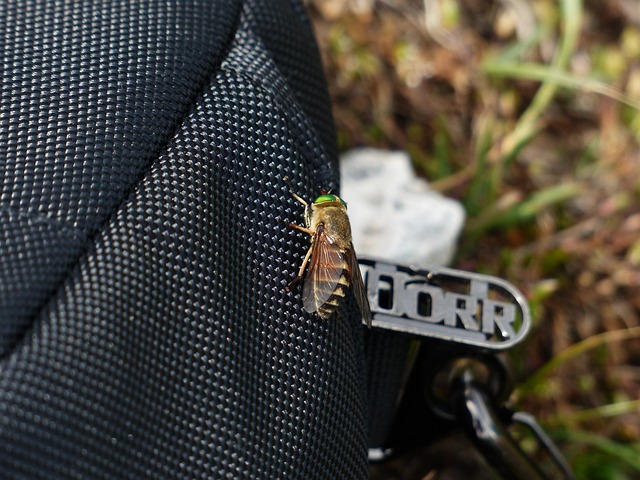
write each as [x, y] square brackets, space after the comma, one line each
[333, 265]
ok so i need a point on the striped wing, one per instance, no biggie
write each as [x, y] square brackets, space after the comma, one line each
[325, 268]
[359, 289]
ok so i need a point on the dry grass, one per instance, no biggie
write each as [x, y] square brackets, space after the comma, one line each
[532, 121]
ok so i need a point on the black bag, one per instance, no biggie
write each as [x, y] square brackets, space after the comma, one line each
[145, 330]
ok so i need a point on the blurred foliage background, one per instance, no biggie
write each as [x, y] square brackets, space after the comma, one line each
[528, 112]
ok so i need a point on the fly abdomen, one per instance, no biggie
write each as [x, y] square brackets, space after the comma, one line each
[337, 297]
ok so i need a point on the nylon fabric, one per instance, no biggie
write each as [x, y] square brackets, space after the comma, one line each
[169, 347]
[89, 94]
[387, 359]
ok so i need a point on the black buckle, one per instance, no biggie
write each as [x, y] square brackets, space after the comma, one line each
[466, 319]
[487, 427]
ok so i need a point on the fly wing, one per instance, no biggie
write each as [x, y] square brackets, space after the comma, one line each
[325, 267]
[359, 290]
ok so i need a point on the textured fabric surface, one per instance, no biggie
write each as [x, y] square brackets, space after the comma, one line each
[387, 359]
[144, 326]
[90, 94]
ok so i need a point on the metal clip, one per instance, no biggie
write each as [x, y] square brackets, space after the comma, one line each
[530, 422]
[488, 431]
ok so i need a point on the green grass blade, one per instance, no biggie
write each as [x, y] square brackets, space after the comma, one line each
[603, 411]
[625, 453]
[574, 351]
[529, 122]
[560, 78]
[510, 210]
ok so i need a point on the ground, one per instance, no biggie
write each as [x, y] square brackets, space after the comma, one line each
[529, 114]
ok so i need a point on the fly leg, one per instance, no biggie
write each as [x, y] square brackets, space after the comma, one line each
[302, 229]
[298, 278]
[306, 230]
[293, 194]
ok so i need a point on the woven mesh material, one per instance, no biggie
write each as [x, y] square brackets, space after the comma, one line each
[386, 366]
[89, 94]
[170, 349]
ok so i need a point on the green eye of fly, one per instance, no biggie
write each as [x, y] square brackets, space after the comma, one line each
[327, 197]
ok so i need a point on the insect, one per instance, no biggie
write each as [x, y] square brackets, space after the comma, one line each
[333, 266]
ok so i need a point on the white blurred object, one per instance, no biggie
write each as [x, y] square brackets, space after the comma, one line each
[394, 214]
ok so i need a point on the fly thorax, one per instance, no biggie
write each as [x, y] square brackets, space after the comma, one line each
[336, 224]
